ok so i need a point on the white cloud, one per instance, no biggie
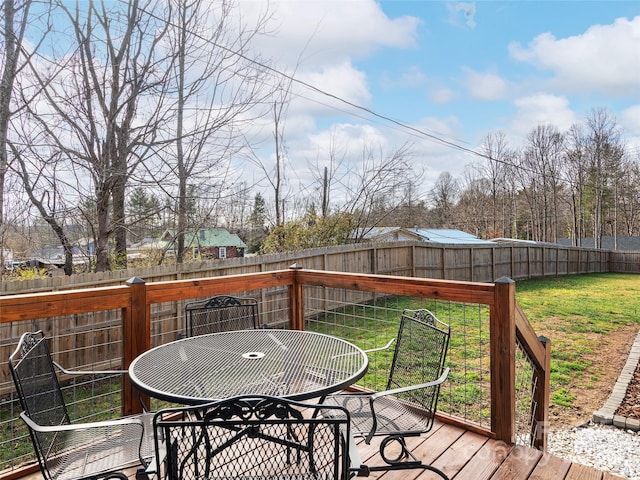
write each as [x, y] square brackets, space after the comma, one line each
[606, 58]
[441, 96]
[541, 109]
[413, 77]
[469, 12]
[485, 86]
[410, 78]
[630, 119]
[324, 32]
[342, 80]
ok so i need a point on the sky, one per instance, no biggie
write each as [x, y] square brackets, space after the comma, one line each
[443, 74]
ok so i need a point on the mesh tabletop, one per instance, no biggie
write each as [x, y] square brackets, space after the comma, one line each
[287, 363]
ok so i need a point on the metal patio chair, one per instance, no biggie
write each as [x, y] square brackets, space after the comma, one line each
[220, 314]
[256, 437]
[408, 404]
[67, 450]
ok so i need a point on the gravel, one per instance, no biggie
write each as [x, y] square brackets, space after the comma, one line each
[600, 446]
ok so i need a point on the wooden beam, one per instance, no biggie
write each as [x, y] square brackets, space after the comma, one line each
[503, 354]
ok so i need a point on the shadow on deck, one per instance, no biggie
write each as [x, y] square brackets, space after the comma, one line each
[466, 455]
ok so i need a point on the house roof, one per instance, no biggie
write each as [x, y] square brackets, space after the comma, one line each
[447, 235]
[385, 234]
[433, 235]
[209, 237]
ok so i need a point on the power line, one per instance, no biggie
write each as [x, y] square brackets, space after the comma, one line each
[399, 123]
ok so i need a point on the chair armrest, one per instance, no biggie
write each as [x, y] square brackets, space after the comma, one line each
[88, 372]
[65, 445]
[371, 350]
[394, 391]
[385, 347]
[80, 426]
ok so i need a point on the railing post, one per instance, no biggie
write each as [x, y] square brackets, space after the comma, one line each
[136, 338]
[296, 299]
[503, 354]
[541, 398]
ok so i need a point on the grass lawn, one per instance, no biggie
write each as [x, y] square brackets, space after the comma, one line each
[591, 320]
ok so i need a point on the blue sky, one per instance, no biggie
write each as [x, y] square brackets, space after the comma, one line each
[456, 70]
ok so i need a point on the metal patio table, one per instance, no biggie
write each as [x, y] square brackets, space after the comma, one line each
[293, 364]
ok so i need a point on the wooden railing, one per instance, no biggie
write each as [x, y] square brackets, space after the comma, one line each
[136, 298]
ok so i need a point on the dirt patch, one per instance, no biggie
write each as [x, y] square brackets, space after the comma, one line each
[593, 387]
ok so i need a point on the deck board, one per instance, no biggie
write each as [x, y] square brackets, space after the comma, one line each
[460, 453]
[550, 466]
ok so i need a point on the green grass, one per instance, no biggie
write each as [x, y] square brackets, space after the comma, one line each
[578, 313]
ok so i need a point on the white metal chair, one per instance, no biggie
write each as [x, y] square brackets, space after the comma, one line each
[66, 450]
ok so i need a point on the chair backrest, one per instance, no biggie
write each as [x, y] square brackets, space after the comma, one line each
[220, 314]
[36, 381]
[419, 356]
[38, 388]
[254, 437]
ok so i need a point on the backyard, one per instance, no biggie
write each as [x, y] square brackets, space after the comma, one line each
[592, 320]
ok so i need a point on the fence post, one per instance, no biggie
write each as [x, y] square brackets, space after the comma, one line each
[136, 338]
[541, 398]
[503, 353]
[296, 299]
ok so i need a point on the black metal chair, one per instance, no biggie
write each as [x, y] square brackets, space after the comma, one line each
[407, 406]
[67, 450]
[220, 314]
[257, 437]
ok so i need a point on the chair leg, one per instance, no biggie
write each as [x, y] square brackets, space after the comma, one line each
[403, 454]
[404, 460]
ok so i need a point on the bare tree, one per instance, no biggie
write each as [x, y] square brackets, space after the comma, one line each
[474, 201]
[326, 172]
[605, 151]
[99, 105]
[577, 170]
[539, 172]
[216, 89]
[15, 19]
[375, 188]
[499, 157]
[45, 194]
[444, 195]
[628, 200]
[275, 174]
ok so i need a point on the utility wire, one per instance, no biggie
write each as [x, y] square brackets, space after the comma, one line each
[406, 126]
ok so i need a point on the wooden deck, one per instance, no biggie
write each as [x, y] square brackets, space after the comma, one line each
[465, 455]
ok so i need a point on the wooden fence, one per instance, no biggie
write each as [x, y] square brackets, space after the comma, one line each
[136, 299]
[414, 259]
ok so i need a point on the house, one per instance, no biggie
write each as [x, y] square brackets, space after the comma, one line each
[211, 243]
[431, 235]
